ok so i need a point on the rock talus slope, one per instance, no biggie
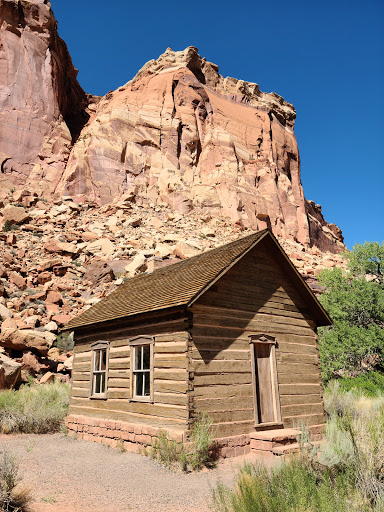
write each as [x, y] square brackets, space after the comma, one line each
[42, 106]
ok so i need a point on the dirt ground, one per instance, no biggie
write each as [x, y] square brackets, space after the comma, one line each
[68, 475]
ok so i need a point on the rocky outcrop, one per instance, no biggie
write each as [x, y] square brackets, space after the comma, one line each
[178, 134]
[181, 134]
[42, 106]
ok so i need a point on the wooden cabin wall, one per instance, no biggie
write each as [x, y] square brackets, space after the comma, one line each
[169, 409]
[255, 296]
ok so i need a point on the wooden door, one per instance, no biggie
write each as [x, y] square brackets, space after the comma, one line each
[266, 398]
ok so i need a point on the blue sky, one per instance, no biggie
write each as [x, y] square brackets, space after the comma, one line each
[327, 58]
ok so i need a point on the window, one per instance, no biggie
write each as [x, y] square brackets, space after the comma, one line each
[142, 369]
[99, 370]
[264, 373]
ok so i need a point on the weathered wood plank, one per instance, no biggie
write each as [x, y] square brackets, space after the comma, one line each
[119, 415]
[223, 391]
[295, 378]
[171, 386]
[223, 404]
[170, 374]
[114, 382]
[171, 398]
[232, 428]
[299, 389]
[202, 379]
[171, 347]
[300, 399]
[306, 419]
[298, 368]
[284, 357]
[144, 408]
[232, 415]
[210, 353]
[302, 409]
[221, 366]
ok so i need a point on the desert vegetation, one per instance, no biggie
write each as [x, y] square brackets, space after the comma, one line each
[35, 408]
[354, 298]
[346, 474]
[192, 456]
[13, 498]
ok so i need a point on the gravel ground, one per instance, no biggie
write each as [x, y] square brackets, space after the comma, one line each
[68, 475]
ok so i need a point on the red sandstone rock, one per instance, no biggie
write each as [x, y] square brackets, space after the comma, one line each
[42, 104]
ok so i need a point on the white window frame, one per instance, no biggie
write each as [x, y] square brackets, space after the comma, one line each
[98, 348]
[138, 343]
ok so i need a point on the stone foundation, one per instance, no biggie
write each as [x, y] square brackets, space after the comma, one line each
[134, 437]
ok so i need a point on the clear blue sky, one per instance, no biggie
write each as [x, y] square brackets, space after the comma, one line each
[327, 58]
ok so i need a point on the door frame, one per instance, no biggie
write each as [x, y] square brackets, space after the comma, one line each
[265, 339]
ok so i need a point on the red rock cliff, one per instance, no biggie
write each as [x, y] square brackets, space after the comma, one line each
[178, 133]
[42, 106]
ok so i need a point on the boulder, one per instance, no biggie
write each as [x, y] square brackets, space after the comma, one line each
[139, 264]
[14, 214]
[185, 250]
[99, 272]
[47, 378]
[27, 339]
[5, 313]
[10, 372]
[18, 280]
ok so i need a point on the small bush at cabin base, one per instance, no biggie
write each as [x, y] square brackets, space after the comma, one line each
[191, 456]
[11, 499]
[35, 409]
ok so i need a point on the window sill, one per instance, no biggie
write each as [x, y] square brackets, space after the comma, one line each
[98, 397]
[270, 424]
[148, 400]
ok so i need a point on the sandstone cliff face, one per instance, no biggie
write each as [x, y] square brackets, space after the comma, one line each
[42, 106]
[181, 134]
[177, 134]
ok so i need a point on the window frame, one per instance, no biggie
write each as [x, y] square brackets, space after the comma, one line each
[266, 339]
[96, 348]
[134, 343]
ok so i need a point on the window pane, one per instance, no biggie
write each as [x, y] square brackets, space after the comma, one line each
[146, 357]
[137, 358]
[139, 384]
[103, 359]
[102, 383]
[147, 390]
[97, 360]
[97, 382]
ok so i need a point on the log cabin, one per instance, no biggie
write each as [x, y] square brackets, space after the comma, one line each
[230, 333]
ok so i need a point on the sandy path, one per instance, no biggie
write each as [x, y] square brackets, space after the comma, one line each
[68, 475]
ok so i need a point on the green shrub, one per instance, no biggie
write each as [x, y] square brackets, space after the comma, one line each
[65, 342]
[370, 383]
[11, 499]
[189, 456]
[8, 226]
[202, 437]
[292, 486]
[34, 409]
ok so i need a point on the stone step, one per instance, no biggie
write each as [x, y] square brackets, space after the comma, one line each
[276, 435]
[274, 442]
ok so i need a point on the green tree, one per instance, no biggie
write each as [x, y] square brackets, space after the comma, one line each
[354, 299]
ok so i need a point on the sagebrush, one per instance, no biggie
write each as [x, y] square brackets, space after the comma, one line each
[12, 497]
[346, 474]
[36, 409]
[194, 455]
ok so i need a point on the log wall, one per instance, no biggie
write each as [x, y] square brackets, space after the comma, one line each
[170, 407]
[255, 296]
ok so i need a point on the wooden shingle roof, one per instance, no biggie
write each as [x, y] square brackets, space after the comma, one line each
[174, 285]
